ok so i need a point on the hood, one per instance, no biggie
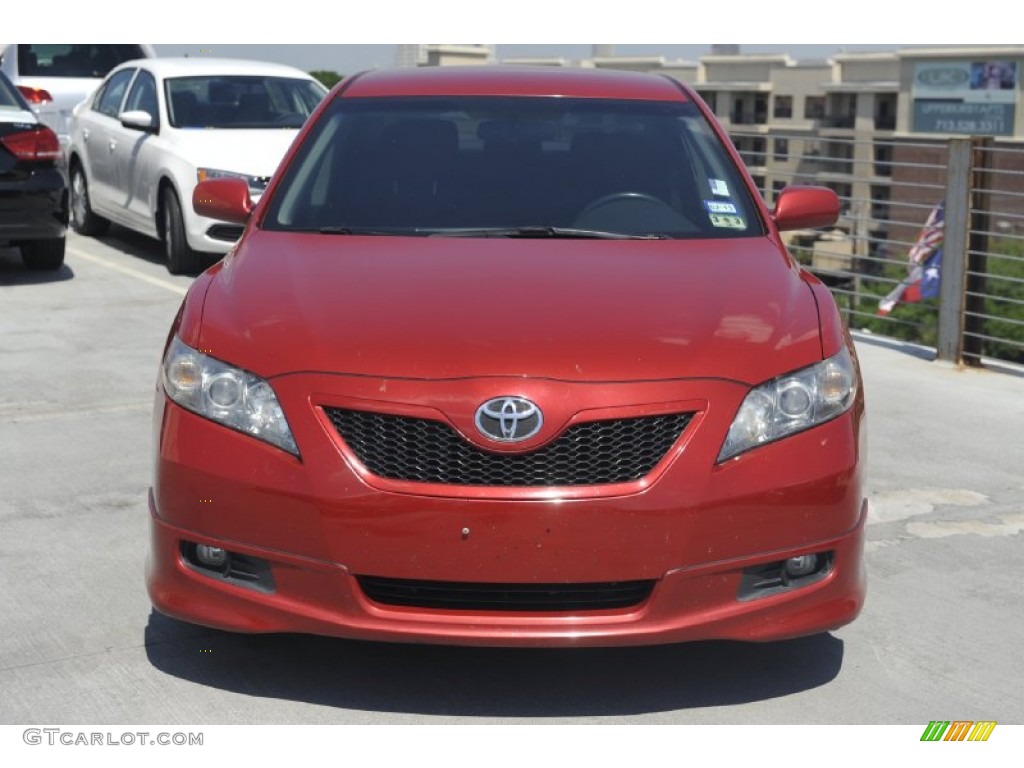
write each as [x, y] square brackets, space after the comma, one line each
[252, 151]
[573, 310]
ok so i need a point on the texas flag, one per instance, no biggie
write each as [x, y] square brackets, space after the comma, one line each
[923, 269]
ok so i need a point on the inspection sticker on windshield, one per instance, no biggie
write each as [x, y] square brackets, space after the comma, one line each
[725, 220]
[718, 187]
[716, 206]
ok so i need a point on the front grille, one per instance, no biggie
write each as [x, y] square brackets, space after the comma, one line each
[426, 451]
[464, 596]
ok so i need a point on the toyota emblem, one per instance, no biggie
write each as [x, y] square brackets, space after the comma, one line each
[509, 419]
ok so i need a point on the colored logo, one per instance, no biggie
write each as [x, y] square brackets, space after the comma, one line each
[509, 419]
[958, 730]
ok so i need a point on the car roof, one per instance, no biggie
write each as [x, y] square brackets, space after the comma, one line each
[185, 66]
[504, 80]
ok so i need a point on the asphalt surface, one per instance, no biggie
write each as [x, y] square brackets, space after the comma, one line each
[79, 642]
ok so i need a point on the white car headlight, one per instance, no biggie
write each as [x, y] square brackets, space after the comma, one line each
[792, 403]
[225, 394]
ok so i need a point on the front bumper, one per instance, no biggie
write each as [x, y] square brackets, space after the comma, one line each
[210, 235]
[691, 527]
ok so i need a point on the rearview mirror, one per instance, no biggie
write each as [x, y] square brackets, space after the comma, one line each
[138, 119]
[800, 207]
[224, 199]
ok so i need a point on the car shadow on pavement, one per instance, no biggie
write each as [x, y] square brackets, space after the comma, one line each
[490, 682]
[14, 272]
[143, 247]
[135, 243]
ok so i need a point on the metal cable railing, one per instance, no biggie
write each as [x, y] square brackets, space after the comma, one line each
[864, 258]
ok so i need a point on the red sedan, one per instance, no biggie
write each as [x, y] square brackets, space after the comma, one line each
[510, 357]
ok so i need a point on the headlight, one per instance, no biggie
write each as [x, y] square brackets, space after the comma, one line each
[257, 184]
[792, 403]
[222, 393]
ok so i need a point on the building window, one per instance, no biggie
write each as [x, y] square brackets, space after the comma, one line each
[777, 187]
[814, 107]
[757, 147]
[839, 156]
[783, 107]
[883, 160]
[880, 203]
[885, 113]
[709, 98]
[738, 116]
[807, 153]
[760, 109]
[780, 149]
[844, 193]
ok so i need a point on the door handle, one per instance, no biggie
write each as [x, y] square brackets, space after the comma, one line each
[113, 145]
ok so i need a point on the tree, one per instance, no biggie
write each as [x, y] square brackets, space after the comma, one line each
[327, 77]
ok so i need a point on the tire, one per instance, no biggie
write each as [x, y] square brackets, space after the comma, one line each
[43, 254]
[181, 259]
[83, 220]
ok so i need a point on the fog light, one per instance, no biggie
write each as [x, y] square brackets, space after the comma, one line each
[801, 566]
[212, 557]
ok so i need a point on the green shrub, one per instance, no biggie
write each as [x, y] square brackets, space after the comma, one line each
[917, 322]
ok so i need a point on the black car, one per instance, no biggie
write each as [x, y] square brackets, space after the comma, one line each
[33, 184]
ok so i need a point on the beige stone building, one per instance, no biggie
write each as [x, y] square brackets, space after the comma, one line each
[872, 126]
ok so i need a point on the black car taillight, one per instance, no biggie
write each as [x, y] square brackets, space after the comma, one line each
[37, 144]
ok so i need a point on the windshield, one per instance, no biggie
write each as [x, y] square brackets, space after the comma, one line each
[513, 166]
[74, 60]
[241, 101]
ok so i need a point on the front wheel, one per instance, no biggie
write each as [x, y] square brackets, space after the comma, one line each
[83, 220]
[43, 254]
[181, 259]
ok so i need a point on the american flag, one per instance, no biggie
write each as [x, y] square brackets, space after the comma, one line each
[923, 261]
[931, 235]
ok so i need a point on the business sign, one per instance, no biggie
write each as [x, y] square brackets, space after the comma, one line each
[976, 98]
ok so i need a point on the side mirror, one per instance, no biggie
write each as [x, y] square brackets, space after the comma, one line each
[223, 199]
[805, 208]
[138, 120]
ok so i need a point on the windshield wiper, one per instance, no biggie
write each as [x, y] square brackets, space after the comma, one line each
[541, 232]
[351, 231]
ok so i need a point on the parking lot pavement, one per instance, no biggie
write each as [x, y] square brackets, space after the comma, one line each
[79, 644]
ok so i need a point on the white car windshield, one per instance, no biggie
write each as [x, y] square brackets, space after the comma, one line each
[241, 101]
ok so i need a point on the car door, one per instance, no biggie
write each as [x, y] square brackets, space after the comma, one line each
[136, 156]
[99, 142]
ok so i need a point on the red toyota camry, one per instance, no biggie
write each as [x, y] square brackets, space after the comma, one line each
[510, 356]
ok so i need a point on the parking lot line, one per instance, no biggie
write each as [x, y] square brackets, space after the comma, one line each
[173, 287]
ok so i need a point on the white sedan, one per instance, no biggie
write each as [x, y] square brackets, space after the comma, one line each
[156, 127]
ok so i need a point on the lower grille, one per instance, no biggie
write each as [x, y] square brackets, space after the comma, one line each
[229, 233]
[464, 596]
[426, 451]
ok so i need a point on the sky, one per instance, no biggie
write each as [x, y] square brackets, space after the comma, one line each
[348, 37]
